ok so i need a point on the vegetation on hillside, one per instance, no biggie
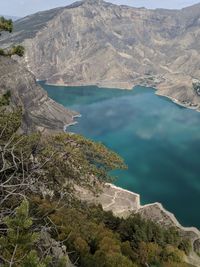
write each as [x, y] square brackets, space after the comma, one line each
[17, 50]
[37, 178]
[17, 245]
[5, 99]
[97, 238]
[7, 25]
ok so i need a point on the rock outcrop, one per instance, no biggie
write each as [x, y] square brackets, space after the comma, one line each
[56, 249]
[95, 42]
[39, 111]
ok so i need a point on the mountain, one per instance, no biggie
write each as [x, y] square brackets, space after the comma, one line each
[14, 18]
[39, 111]
[95, 42]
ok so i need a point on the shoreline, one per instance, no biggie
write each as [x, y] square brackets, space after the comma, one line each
[161, 207]
[158, 214]
[176, 101]
[153, 211]
[97, 84]
[128, 86]
[72, 123]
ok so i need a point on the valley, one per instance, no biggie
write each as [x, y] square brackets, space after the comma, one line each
[99, 137]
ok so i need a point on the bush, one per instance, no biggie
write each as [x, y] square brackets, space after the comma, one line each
[17, 50]
[5, 99]
[6, 24]
[2, 52]
[19, 239]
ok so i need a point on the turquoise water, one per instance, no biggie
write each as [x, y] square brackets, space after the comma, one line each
[159, 140]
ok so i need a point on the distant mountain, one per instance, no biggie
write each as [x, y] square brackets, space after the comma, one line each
[14, 18]
[95, 42]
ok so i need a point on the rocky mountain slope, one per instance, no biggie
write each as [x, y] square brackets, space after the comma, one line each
[95, 42]
[39, 111]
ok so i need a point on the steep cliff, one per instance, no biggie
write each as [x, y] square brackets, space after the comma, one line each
[95, 42]
[39, 111]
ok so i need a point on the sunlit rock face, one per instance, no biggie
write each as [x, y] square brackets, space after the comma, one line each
[95, 42]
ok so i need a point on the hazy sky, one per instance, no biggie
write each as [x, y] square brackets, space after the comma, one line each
[24, 7]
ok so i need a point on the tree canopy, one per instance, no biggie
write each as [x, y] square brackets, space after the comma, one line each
[6, 24]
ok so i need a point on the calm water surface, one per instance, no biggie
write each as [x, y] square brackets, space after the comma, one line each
[159, 140]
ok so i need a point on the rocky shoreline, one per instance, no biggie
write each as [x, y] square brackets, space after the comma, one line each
[177, 102]
[130, 86]
[72, 123]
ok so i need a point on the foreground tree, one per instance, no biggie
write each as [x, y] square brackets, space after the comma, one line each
[6, 25]
[17, 244]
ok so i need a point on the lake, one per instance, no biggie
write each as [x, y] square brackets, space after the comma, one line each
[159, 141]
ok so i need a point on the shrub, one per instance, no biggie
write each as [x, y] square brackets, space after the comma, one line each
[2, 52]
[5, 99]
[17, 50]
[6, 24]
[16, 245]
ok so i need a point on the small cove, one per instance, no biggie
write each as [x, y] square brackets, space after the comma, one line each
[159, 141]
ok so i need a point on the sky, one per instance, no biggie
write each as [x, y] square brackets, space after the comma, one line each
[22, 8]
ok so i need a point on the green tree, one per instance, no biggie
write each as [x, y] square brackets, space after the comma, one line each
[32, 260]
[17, 50]
[78, 160]
[16, 246]
[128, 251]
[5, 99]
[109, 254]
[6, 24]
[2, 52]
[149, 253]
[172, 254]
[9, 121]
